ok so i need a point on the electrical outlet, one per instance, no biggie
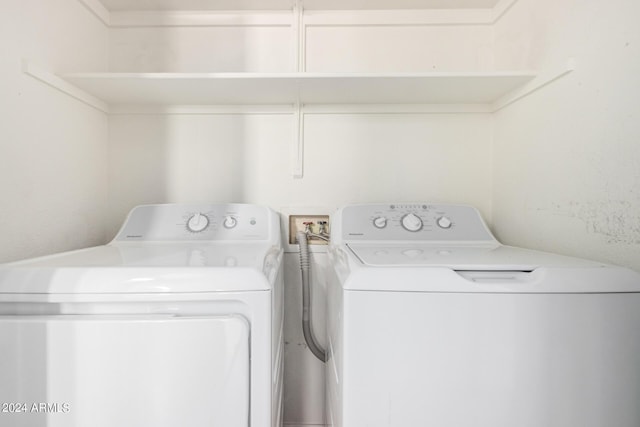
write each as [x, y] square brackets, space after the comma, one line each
[297, 223]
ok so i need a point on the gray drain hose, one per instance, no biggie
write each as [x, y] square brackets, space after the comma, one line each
[307, 329]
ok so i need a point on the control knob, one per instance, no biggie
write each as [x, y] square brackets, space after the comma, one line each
[197, 222]
[444, 222]
[229, 222]
[411, 222]
[380, 222]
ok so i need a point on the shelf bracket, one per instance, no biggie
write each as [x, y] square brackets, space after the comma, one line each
[297, 144]
[297, 138]
[56, 82]
[98, 9]
[299, 35]
[542, 80]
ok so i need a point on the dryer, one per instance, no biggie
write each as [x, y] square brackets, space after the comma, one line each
[177, 321]
[433, 322]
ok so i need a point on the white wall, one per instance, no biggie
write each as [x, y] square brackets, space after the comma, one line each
[567, 158]
[163, 158]
[348, 158]
[52, 148]
[386, 48]
[220, 49]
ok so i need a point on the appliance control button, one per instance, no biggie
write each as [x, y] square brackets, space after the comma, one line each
[380, 222]
[197, 222]
[230, 222]
[444, 222]
[411, 222]
[412, 253]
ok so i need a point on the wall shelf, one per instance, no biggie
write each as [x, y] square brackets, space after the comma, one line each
[141, 13]
[297, 88]
[136, 5]
[453, 92]
[462, 92]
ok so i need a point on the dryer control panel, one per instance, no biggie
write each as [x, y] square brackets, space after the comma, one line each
[410, 222]
[179, 222]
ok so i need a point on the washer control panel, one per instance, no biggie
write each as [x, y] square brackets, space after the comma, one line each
[412, 221]
[196, 222]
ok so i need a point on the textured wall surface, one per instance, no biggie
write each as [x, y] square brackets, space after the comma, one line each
[53, 163]
[567, 158]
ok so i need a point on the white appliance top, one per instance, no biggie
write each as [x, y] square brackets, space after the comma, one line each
[461, 257]
[424, 247]
[164, 248]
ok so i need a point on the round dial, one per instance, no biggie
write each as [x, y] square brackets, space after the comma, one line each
[444, 222]
[411, 222]
[229, 222]
[380, 222]
[197, 222]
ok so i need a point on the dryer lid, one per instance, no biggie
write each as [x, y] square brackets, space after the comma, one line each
[147, 268]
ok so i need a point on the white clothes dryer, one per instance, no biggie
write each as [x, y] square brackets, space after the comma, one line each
[176, 322]
[433, 322]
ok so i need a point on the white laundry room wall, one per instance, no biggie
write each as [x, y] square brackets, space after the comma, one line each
[53, 163]
[567, 157]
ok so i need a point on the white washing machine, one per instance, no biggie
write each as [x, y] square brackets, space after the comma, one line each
[176, 322]
[432, 322]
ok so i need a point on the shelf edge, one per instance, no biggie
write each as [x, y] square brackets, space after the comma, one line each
[501, 9]
[56, 82]
[199, 19]
[397, 109]
[97, 8]
[299, 75]
[398, 18]
[416, 16]
[195, 110]
[536, 84]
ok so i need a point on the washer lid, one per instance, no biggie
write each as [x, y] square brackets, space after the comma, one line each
[147, 268]
[474, 269]
[492, 256]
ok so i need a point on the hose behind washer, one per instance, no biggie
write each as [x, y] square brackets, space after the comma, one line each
[307, 329]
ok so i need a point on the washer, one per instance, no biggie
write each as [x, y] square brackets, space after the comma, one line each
[177, 321]
[432, 322]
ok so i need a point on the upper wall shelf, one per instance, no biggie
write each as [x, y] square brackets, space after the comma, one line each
[483, 90]
[141, 13]
[303, 88]
[137, 5]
